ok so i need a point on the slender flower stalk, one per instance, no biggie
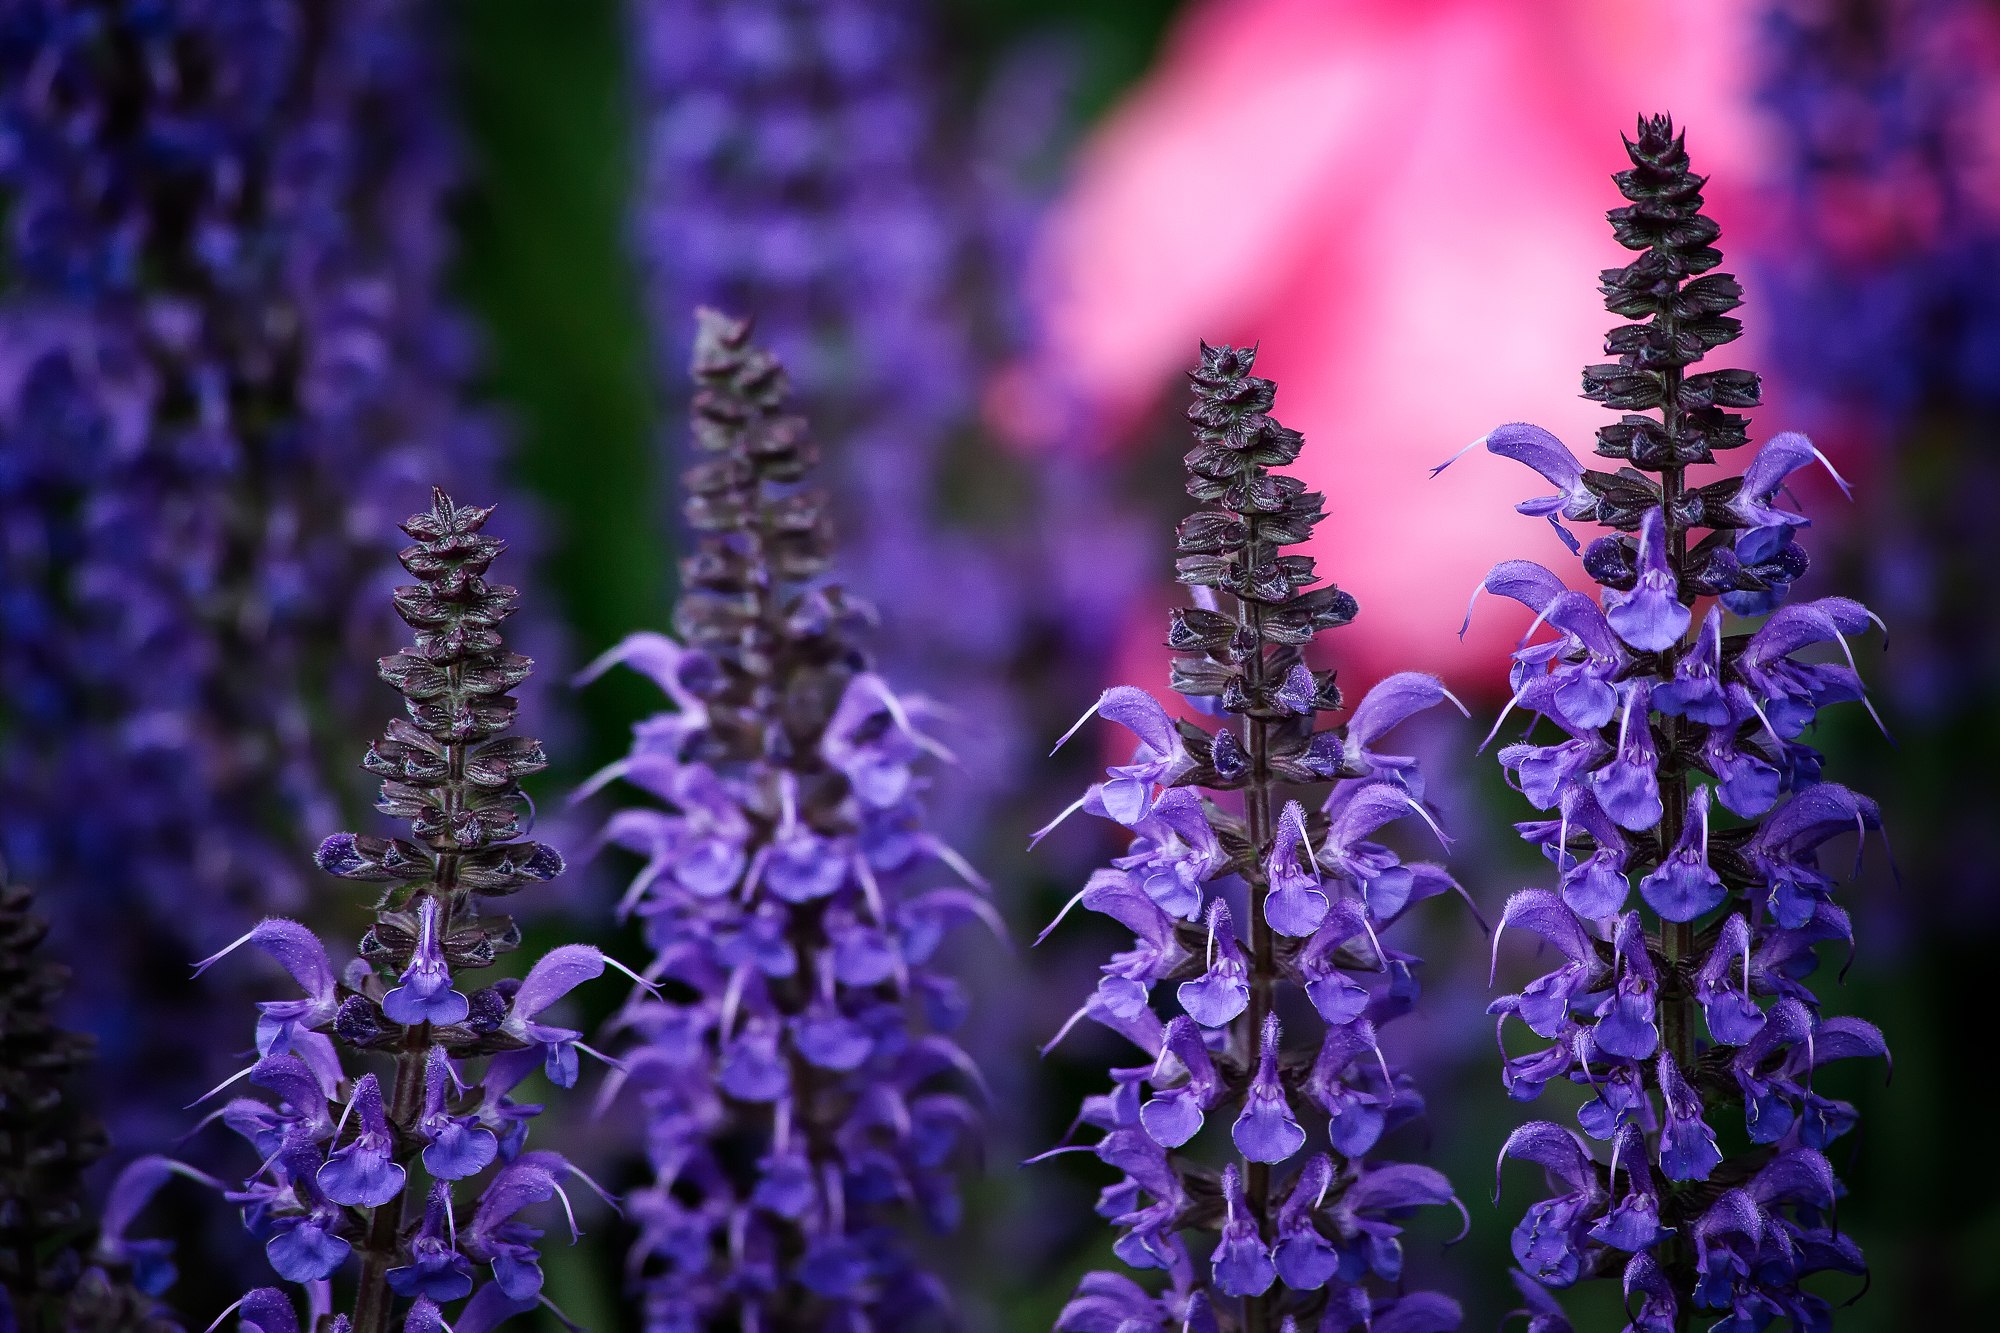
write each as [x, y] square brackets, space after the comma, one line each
[366, 1167]
[225, 361]
[801, 1097]
[1678, 765]
[1268, 907]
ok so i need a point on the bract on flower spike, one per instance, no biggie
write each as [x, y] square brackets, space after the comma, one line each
[1692, 1008]
[804, 1102]
[1296, 1227]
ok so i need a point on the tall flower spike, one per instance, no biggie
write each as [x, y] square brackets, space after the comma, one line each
[1302, 1237]
[1701, 789]
[803, 1097]
[381, 1185]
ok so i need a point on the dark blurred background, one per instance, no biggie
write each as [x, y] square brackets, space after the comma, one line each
[986, 282]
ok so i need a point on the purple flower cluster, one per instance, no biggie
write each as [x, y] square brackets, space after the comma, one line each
[799, 163]
[799, 1090]
[341, 1153]
[1267, 918]
[224, 362]
[1677, 766]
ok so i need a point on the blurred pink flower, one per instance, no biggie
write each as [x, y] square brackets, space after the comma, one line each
[1402, 200]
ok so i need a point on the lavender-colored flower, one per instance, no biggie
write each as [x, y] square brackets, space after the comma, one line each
[802, 1101]
[1247, 901]
[225, 363]
[333, 1187]
[1697, 786]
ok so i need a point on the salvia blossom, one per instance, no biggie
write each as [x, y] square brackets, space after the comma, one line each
[802, 1100]
[1685, 816]
[224, 362]
[61, 1269]
[1263, 918]
[362, 1170]
[799, 160]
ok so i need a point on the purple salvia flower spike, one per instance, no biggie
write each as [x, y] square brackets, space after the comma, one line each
[1316, 896]
[1705, 734]
[802, 1097]
[327, 1189]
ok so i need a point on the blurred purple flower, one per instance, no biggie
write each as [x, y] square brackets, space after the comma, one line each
[800, 164]
[1881, 272]
[802, 1099]
[226, 364]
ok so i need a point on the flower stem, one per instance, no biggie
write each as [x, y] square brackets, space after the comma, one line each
[1257, 799]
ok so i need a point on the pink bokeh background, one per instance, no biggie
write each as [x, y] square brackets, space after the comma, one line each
[1402, 202]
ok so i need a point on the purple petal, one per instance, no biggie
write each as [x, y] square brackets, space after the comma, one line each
[556, 974]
